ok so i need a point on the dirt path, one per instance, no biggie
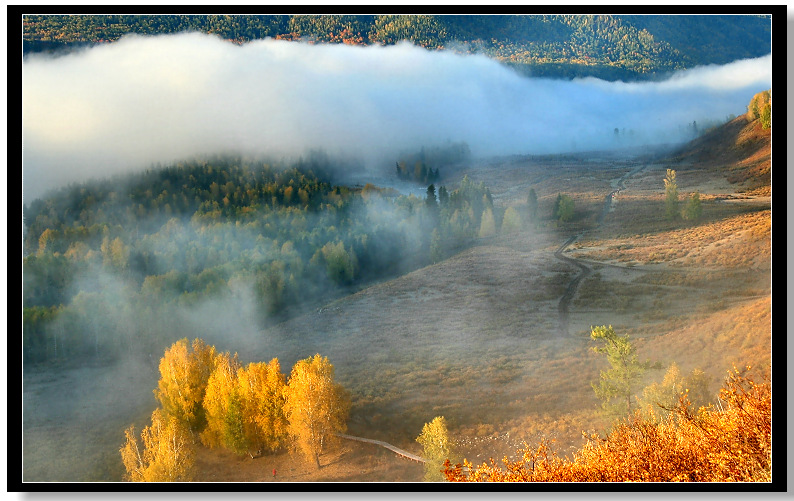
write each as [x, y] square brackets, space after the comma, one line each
[389, 446]
[585, 270]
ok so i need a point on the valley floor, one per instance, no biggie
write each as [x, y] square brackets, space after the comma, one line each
[476, 337]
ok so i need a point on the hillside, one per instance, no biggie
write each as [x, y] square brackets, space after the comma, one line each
[611, 47]
[740, 151]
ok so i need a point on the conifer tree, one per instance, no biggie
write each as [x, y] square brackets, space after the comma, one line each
[532, 204]
[436, 249]
[487, 224]
[511, 221]
[616, 385]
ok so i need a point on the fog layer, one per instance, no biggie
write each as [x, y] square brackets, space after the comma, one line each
[143, 100]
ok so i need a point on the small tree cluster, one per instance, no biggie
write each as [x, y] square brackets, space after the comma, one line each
[563, 209]
[244, 406]
[420, 173]
[731, 443]
[661, 398]
[241, 408]
[760, 108]
[693, 209]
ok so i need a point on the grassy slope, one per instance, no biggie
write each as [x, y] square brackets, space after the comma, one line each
[740, 150]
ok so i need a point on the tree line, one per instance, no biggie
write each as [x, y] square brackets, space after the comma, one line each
[562, 46]
[210, 397]
[101, 253]
[760, 108]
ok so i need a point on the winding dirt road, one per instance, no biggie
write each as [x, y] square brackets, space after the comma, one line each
[584, 270]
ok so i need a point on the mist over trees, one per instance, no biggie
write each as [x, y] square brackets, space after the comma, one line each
[274, 239]
[271, 97]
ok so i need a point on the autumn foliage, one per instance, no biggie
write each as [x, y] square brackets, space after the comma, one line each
[261, 388]
[211, 396]
[222, 405]
[727, 442]
[315, 406]
[165, 455]
[184, 372]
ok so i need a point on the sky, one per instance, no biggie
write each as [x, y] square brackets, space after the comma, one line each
[145, 100]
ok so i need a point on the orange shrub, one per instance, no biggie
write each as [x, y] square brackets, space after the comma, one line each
[728, 443]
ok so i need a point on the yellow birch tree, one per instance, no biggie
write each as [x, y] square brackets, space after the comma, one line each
[219, 396]
[261, 390]
[184, 372]
[166, 455]
[436, 448]
[316, 407]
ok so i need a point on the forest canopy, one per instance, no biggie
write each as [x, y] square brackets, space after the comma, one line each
[280, 237]
[610, 47]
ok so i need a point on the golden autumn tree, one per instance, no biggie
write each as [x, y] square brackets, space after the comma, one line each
[671, 195]
[661, 398]
[315, 406]
[436, 447]
[184, 372]
[511, 222]
[165, 455]
[262, 397]
[222, 407]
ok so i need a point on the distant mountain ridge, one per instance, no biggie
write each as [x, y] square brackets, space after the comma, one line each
[612, 47]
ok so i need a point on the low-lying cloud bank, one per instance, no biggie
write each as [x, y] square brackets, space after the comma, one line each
[144, 100]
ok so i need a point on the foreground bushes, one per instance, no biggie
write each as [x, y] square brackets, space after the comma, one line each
[729, 442]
